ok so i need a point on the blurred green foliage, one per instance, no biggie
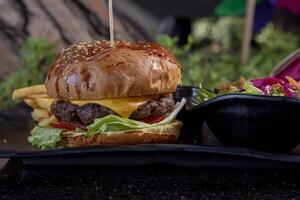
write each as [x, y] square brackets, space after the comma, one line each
[212, 53]
[232, 7]
[36, 54]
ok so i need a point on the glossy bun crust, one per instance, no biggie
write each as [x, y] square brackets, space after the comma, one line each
[94, 70]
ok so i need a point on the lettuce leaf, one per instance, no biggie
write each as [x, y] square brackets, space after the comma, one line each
[45, 138]
[113, 123]
[232, 90]
[204, 94]
[249, 88]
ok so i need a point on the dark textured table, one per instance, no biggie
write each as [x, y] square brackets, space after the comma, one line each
[146, 182]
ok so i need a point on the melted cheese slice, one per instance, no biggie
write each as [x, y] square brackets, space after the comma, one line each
[123, 106]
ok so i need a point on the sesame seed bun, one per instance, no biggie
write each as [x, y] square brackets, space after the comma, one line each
[94, 70]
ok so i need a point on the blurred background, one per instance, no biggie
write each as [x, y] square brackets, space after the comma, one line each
[205, 36]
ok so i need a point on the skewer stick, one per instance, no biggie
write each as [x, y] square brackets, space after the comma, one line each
[247, 31]
[111, 23]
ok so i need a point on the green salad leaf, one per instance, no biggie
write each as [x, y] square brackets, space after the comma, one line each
[203, 94]
[45, 138]
[249, 88]
[232, 89]
[113, 123]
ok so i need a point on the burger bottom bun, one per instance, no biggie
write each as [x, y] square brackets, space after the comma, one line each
[162, 134]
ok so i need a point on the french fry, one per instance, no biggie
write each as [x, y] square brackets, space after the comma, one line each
[44, 102]
[47, 121]
[39, 114]
[24, 92]
[31, 102]
[33, 130]
[34, 96]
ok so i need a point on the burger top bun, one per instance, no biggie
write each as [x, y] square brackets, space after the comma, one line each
[94, 70]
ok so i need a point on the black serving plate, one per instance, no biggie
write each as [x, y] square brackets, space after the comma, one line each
[191, 150]
[269, 123]
[16, 124]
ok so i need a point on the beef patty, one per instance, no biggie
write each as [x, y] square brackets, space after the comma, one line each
[69, 113]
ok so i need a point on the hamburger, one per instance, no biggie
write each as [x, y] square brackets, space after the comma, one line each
[95, 94]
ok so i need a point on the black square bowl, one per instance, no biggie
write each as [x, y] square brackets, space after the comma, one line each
[270, 123]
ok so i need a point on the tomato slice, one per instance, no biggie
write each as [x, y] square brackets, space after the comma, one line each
[68, 127]
[151, 120]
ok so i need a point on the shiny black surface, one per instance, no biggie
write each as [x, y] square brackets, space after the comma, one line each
[253, 121]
